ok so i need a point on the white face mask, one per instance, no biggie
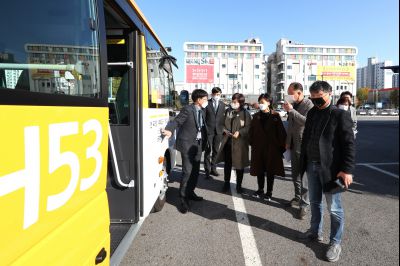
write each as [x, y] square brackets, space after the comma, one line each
[289, 99]
[204, 104]
[235, 105]
[343, 107]
[263, 106]
[216, 98]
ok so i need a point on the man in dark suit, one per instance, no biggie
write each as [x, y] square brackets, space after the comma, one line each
[191, 140]
[327, 154]
[215, 117]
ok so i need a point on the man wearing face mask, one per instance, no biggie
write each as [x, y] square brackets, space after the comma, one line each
[215, 128]
[327, 155]
[349, 96]
[191, 140]
[297, 107]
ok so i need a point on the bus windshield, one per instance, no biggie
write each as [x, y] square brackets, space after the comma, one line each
[51, 47]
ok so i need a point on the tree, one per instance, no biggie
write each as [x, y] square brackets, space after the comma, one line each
[362, 95]
[394, 98]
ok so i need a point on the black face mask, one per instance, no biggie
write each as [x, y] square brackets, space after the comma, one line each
[318, 101]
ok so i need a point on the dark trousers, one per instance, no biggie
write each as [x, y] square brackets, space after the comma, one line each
[270, 182]
[190, 169]
[228, 166]
[300, 182]
[210, 154]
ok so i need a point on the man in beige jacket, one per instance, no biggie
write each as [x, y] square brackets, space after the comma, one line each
[297, 107]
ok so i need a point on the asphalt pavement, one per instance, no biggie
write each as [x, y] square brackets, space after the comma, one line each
[228, 229]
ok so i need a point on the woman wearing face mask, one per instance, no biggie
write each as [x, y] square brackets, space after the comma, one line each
[267, 138]
[345, 104]
[234, 150]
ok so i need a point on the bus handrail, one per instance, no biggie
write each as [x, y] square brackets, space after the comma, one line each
[115, 163]
[37, 66]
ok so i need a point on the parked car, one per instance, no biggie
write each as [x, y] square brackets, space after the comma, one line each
[394, 112]
[281, 112]
[362, 111]
[384, 112]
[372, 112]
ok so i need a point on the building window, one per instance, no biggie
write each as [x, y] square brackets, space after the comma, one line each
[223, 66]
[217, 75]
[257, 76]
[232, 76]
[312, 78]
[289, 77]
[257, 66]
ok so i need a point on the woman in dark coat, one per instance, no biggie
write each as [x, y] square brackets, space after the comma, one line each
[267, 137]
[234, 149]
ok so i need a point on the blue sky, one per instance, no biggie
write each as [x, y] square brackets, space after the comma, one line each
[370, 25]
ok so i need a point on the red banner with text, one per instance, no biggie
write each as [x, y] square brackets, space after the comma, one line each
[199, 74]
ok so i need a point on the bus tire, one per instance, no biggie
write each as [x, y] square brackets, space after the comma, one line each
[167, 162]
[159, 204]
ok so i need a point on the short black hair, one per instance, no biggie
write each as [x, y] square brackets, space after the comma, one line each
[266, 97]
[346, 93]
[216, 90]
[198, 93]
[239, 97]
[320, 85]
[296, 86]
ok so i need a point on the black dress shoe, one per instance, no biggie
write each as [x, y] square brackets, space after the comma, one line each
[185, 207]
[214, 172]
[195, 197]
[208, 177]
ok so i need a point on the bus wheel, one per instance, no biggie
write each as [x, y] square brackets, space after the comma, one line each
[162, 198]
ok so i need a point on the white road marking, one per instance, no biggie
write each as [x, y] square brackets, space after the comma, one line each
[380, 170]
[249, 246]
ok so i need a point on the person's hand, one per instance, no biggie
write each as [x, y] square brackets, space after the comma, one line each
[166, 133]
[347, 178]
[287, 106]
[236, 135]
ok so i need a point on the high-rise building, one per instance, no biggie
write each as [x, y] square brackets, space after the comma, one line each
[234, 67]
[373, 76]
[305, 63]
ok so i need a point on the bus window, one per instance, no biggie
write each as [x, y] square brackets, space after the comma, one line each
[160, 75]
[53, 47]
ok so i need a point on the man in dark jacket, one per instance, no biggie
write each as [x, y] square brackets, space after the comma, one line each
[297, 107]
[191, 140]
[215, 118]
[327, 154]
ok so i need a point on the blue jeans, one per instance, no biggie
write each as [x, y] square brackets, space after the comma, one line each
[334, 202]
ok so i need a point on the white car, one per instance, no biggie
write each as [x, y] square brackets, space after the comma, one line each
[384, 112]
[372, 112]
[394, 112]
[362, 111]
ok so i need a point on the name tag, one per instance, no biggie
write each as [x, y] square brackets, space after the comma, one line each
[242, 123]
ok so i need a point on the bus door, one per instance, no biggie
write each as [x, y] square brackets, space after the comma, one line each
[122, 183]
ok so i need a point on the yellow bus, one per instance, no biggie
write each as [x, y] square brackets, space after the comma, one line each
[85, 87]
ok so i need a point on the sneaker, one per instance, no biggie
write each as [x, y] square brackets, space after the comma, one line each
[333, 252]
[311, 236]
[302, 213]
[294, 202]
[258, 194]
[214, 172]
[267, 198]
